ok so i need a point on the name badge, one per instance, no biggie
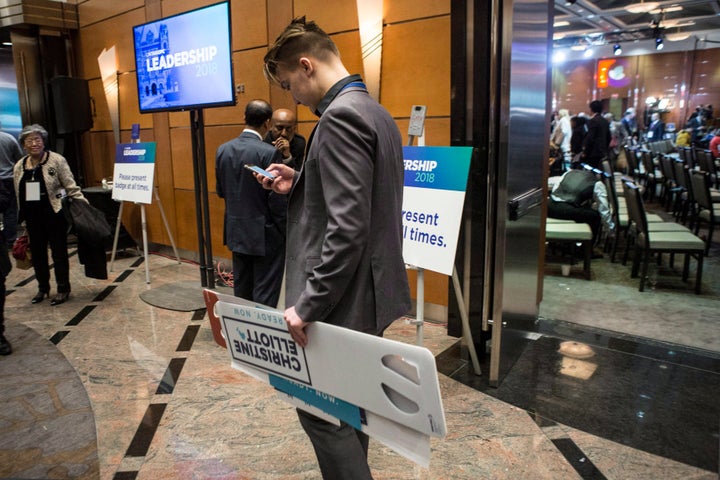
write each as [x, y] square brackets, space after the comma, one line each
[32, 191]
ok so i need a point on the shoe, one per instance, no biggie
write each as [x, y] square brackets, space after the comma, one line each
[60, 298]
[5, 348]
[39, 297]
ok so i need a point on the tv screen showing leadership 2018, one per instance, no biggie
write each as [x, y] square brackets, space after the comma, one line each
[185, 61]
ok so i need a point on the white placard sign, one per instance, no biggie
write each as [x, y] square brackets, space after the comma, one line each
[433, 198]
[394, 395]
[134, 173]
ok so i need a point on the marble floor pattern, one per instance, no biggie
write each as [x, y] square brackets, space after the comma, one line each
[107, 386]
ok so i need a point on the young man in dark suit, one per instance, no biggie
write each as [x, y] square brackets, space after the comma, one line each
[344, 251]
[253, 225]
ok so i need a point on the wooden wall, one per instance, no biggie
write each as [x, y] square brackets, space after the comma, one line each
[688, 79]
[415, 70]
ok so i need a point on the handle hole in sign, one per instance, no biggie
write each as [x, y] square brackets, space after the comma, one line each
[402, 402]
[398, 365]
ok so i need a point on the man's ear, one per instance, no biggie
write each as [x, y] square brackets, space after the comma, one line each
[306, 65]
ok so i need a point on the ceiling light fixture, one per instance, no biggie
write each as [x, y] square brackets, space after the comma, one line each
[658, 43]
[642, 7]
[660, 11]
[617, 49]
[678, 36]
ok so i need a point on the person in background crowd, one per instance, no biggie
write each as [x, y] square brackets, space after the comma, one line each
[629, 121]
[708, 113]
[577, 123]
[617, 137]
[714, 145]
[597, 139]
[283, 137]
[573, 196]
[10, 153]
[566, 129]
[557, 138]
[6, 199]
[694, 125]
[42, 178]
[705, 138]
[252, 230]
[656, 129]
[344, 247]
[683, 138]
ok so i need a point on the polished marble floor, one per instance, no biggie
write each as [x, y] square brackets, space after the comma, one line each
[108, 386]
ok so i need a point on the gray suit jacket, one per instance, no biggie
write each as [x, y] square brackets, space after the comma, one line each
[251, 226]
[344, 262]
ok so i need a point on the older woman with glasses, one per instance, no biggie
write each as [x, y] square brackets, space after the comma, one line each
[42, 179]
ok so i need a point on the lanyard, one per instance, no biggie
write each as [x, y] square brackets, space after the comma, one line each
[39, 165]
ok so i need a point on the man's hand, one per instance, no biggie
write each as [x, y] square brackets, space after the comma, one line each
[296, 326]
[282, 144]
[283, 178]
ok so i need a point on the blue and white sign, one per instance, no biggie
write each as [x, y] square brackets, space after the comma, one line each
[134, 173]
[433, 198]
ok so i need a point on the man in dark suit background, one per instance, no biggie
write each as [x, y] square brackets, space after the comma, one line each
[597, 139]
[656, 130]
[253, 227]
[344, 250]
[283, 136]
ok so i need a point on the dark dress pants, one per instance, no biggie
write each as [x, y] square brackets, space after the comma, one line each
[10, 215]
[259, 278]
[568, 211]
[43, 230]
[341, 451]
[2, 305]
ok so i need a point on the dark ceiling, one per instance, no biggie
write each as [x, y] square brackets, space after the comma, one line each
[601, 22]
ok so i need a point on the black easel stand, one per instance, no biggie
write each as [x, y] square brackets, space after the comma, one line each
[202, 207]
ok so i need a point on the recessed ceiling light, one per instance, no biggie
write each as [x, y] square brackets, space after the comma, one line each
[642, 7]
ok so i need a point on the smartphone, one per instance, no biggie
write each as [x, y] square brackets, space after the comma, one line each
[260, 171]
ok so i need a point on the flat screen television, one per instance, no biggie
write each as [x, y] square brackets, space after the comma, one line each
[184, 62]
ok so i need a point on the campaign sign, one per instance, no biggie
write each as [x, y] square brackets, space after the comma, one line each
[394, 396]
[260, 338]
[134, 173]
[433, 198]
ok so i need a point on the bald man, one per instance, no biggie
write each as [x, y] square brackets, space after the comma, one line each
[282, 135]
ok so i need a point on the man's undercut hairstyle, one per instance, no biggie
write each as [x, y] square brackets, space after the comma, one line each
[596, 106]
[300, 38]
[257, 112]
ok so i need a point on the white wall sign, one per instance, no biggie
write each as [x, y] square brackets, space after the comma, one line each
[134, 172]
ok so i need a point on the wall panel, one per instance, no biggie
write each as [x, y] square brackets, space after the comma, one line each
[114, 31]
[129, 107]
[437, 130]
[409, 55]
[94, 11]
[332, 16]
[404, 10]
